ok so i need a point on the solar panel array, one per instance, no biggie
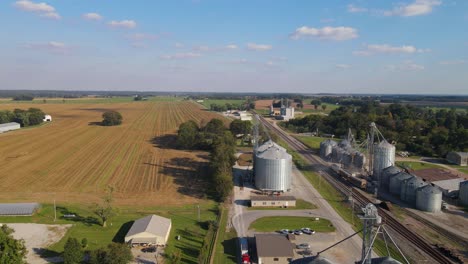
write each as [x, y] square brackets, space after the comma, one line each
[18, 208]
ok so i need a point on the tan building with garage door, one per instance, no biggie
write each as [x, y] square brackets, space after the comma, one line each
[273, 249]
[272, 201]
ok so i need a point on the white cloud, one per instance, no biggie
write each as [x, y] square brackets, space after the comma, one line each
[141, 36]
[406, 66]
[343, 66]
[51, 15]
[326, 33]
[186, 55]
[45, 10]
[258, 47]
[452, 62]
[417, 8]
[51, 46]
[29, 6]
[92, 16]
[129, 24]
[372, 49]
[271, 64]
[231, 47]
[354, 9]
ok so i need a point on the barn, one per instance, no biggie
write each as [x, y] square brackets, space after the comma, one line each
[152, 229]
[9, 126]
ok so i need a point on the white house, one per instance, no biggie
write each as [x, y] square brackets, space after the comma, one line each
[47, 118]
[152, 229]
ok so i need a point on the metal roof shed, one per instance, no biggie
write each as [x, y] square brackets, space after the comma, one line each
[15, 209]
[152, 229]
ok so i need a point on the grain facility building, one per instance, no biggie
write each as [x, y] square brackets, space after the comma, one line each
[273, 168]
[274, 249]
[458, 158]
[152, 229]
[9, 126]
[273, 201]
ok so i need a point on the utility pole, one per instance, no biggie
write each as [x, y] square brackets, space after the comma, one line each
[55, 211]
[198, 207]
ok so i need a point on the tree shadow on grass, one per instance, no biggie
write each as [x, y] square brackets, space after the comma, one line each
[167, 141]
[75, 217]
[230, 248]
[123, 230]
[95, 123]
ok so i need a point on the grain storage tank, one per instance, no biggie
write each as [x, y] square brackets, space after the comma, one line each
[384, 156]
[463, 193]
[409, 188]
[345, 144]
[347, 159]
[326, 148]
[429, 199]
[337, 154]
[396, 182]
[359, 160]
[388, 173]
[312, 260]
[272, 168]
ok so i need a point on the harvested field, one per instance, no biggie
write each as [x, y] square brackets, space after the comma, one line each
[72, 159]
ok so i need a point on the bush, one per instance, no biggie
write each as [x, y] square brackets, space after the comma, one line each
[72, 253]
[111, 118]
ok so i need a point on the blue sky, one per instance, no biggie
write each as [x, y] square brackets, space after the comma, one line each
[360, 46]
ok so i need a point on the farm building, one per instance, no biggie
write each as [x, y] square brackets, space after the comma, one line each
[16, 209]
[47, 118]
[274, 249]
[446, 180]
[458, 158]
[245, 116]
[152, 229]
[271, 200]
[9, 126]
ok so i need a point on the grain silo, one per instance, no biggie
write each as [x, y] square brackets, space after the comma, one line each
[359, 160]
[388, 173]
[396, 182]
[337, 154]
[429, 199]
[312, 260]
[409, 188]
[347, 159]
[345, 144]
[326, 148]
[384, 156]
[463, 193]
[272, 168]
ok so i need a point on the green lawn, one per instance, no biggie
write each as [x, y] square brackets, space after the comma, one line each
[275, 223]
[208, 102]
[300, 205]
[184, 223]
[312, 142]
[226, 243]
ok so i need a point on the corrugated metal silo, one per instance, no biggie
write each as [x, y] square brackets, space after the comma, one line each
[347, 159]
[409, 188]
[384, 156]
[387, 173]
[463, 193]
[359, 160]
[272, 168]
[344, 144]
[326, 148]
[396, 182]
[337, 154]
[429, 199]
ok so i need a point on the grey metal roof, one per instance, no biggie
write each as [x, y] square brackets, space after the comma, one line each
[430, 189]
[449, 185]
[270, 245]
[154, 224]
[18, 208]
[9, 124]
[273, 198]
[312, 260]
[462, 154]
[271, 150]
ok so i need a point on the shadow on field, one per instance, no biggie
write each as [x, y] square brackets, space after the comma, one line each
[123, 230]
[75, 217]
[230, 248]
[167, 141]
[95, 124]
[46, 253]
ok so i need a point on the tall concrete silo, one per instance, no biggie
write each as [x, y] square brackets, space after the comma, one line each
[273, 167]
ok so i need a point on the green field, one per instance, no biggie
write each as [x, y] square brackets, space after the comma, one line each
[226, 242]
[275, 223]
[184, 223]
[300, 205]
[208, 102]
[312, 142]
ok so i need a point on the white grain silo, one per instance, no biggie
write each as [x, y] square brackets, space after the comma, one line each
[272, 168]
[384, 157]
[388, 173]
[463, 193]
[396, 182]
[409, 188]
[326, 148]
[429, 199]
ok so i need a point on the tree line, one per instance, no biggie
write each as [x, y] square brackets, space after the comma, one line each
[217, 139]
[419, 130]
[244, 106]
[30, 117]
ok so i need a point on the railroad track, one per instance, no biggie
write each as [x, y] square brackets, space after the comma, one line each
[358, 197]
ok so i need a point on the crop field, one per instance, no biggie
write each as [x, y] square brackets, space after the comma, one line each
[73, 159]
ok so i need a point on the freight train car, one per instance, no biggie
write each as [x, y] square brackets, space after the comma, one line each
[350, 177]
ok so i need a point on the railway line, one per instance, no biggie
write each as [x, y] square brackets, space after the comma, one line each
[358, 197]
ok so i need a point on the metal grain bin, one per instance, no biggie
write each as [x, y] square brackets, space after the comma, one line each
[272, 168]
[429, 199]
[337, 154]
[326, 148]
[387, 173]
[409, 188]
[359, 160]
[384, 156]
[347, 159]
[463, 193]
[396, 182]
[344, 144]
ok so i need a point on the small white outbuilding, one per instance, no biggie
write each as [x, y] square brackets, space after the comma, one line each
[9, 126]
[152, 229]
[47, 118]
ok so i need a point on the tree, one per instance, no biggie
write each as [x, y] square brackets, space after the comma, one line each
[84, 242]
[114, 253]
[187, 135]
[105, 209]
[23, 97]
[316, 103]
[240, 127]
[36, 116]
[21, 117]
[12, 251]
[138, 98]
[111, 118]
[324, 107]
[72, 253]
